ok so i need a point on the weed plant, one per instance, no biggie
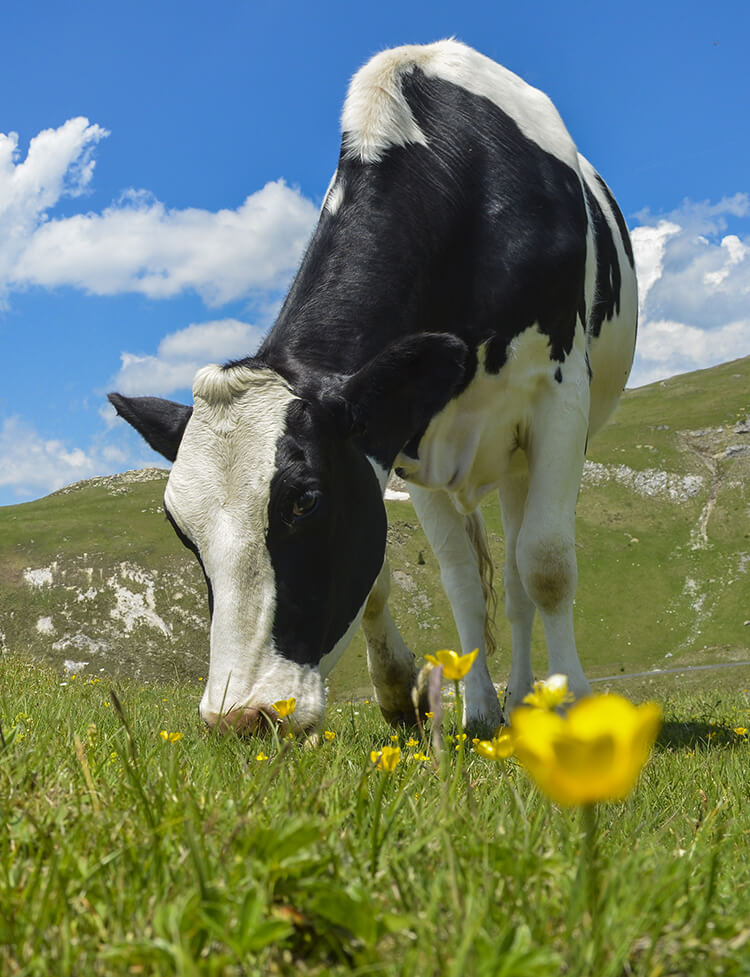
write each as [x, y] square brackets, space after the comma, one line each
[133, 841]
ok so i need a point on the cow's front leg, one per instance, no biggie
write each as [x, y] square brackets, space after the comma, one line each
[446, 530]
[391, 664]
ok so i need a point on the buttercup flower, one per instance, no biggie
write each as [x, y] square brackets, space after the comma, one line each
[261, 757]
[285, 707]
[740, 730]
[412, 742]
[329, 734]
[455, 667]
[500, 747]
[549, 693]
[386, 759]
[170, 737]
[595, 753]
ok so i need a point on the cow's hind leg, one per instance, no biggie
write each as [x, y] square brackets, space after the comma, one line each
[545, 548]
[392, 667]
[449, 535]
[519, 607]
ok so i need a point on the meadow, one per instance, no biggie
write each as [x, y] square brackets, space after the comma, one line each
[133, 841]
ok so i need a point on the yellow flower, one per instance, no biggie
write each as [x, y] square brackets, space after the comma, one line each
[329, 734]
[740, 730]
[500, 747]
[386, 759]
[285, 707]
[455, 667]
[412, 742]
[261, 757]
[595, 753]
[394, 738]
[549, 693]
[420, 757]
[170, 737]
[429, 715]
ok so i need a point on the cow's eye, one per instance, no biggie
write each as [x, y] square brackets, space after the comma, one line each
[305, 505]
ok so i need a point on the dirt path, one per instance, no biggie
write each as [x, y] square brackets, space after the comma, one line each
[668, 671]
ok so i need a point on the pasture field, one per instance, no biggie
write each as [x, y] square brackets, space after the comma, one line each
[135, 842]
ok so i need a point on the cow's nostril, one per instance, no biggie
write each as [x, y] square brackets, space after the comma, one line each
[255, 721]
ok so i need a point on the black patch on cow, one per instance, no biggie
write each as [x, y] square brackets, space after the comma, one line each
[393, 398]
[325, 562]
[608, 276]
[621, 225]
[480, 233]
[189, 544]
[558, 375]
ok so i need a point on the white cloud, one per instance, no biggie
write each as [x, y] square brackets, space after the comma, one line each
[694, 283]
[34, 465]
[137, 244]
[649, 244]
[182, 353]
[58, 163]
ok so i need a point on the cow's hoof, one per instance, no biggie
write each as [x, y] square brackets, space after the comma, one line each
[400, 717]
[482, 727]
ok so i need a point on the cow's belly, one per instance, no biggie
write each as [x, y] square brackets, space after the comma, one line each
[479, 438]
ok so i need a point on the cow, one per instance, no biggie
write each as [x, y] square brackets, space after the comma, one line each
[464, 314]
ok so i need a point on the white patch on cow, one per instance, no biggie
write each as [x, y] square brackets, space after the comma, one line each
[45, 626]
[376, 115]
[334, 195]
[218, 493]
[471, 444]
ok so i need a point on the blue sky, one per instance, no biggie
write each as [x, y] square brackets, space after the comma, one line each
[162, 164]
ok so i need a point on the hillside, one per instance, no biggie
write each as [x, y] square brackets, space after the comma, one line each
[93, 576]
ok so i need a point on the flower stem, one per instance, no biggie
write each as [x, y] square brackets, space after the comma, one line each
[592, 882]
[375, 841]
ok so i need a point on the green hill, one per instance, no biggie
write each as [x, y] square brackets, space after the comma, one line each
[93, 574]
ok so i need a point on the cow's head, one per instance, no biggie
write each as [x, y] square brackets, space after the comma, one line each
[277, 488]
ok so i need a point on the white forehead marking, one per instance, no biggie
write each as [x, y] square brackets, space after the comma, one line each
[228, 453]
[376, 115]
[218, 493]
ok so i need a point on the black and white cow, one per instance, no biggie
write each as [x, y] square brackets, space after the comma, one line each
[466, 314]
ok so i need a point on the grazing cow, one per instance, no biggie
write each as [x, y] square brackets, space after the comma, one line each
[465, 314]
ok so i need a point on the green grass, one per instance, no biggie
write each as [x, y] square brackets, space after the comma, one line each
[121, 853]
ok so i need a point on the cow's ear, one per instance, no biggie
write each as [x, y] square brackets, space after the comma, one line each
[392, 399]
[161, 422]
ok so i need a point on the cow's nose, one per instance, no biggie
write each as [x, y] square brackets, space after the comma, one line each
[247, 721]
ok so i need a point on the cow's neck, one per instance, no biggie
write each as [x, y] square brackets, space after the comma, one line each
[374, 272]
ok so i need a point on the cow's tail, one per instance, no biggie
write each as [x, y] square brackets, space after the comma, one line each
[477, 533]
